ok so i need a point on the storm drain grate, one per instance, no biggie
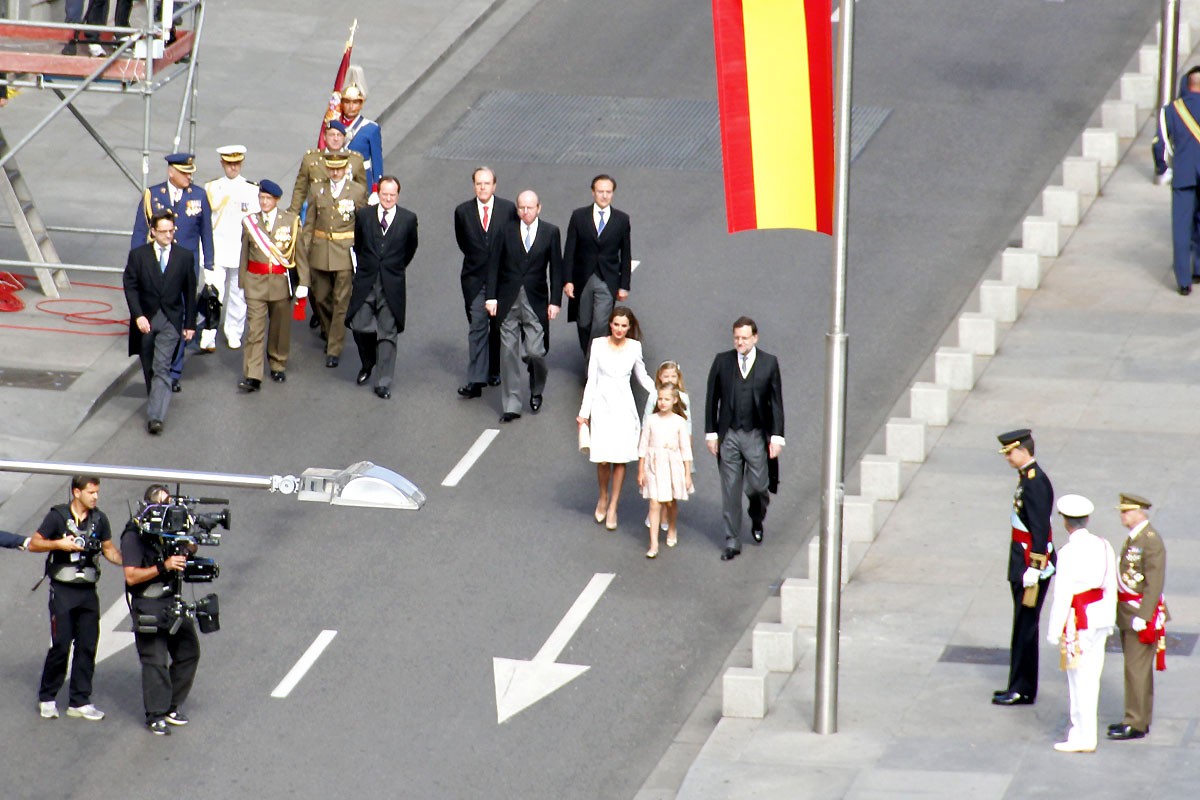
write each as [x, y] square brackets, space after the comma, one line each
[655, 133]
[1178, 644]
[37, 379]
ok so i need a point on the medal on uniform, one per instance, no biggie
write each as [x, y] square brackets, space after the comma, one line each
[193, 208]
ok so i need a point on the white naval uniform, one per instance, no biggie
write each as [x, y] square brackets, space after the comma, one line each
[1086, 562]
[231, 201]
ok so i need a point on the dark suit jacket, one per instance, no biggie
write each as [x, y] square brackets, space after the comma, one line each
[513, 268]
[1033, 503]
[586, 253]
[477, 245]
[147, 289]
[386, 255]
[767, 390]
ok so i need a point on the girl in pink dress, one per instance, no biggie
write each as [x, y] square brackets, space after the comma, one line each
[665, 464]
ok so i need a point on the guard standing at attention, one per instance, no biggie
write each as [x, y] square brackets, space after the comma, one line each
[232, 197]
[362, 135]
[1141, 615]
[1179, 135]
[1031, 560]
[268, 247]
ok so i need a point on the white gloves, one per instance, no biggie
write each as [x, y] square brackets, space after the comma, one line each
[1138, 624]
[301, 292]
[210, 276]
[1030, 578]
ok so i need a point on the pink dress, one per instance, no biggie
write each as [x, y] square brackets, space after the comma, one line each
[666, 444]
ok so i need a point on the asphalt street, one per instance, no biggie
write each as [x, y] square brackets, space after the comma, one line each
[984, 102]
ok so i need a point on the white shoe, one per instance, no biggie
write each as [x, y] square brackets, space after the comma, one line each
[48, 709]
[234, 344]
[95, 50]
[89, 712]
[208, 340]
[1074, 747]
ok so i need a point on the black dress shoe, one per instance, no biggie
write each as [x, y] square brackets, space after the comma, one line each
[364, 375]
[250, 384]
[70, 48]
[1185, 290]
[383, 392]
[314, 321]
[1012, 699]
[470, 390]
[1196, 279]
[756, 531]
[278, 375]
[176, 387]
[999, 692]
[730, 554]
[509, 416]
[1116, 726]
[331, 361]
[493, 380]
[535, 403]
[155, 426]
[1125, 732]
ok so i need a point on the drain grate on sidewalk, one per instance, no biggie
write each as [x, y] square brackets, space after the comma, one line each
[646, 132]
[1178, 645]
[53, 380]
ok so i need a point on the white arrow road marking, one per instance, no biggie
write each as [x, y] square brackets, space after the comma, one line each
[468, 461]
[112, 640]
[304, 664]
[520, 684]
[634, 264]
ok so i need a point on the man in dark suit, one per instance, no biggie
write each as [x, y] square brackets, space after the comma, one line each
[160, 289]
[477, 226]
[524, 290]
[597, 262]
[1031, 560]
[743, 424]
[385, 240]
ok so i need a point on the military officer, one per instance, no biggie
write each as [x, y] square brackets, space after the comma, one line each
[193, 224]
[325, 259]
[1141, 615]
[1031, 562]
[362, 135]
[268, 245]
[312, 166]
[232, 198]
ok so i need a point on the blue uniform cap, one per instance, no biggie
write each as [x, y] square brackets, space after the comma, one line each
[270, 187]
[335, 124]
[184, 162]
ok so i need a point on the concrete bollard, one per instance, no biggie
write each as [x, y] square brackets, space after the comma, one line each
[954, 367]
[1082, 175]
[977, 333]
[1061, 205]
[1119, 116]
[1101, 144]
[998, 300]
[798, 602]
[1020, 267]
[1140, 89]
[774, 647]
[1148, 60]
[879, 477]
[905, 441]
[744, 693]
[858, 518]
[929, 402]
[1040, 234]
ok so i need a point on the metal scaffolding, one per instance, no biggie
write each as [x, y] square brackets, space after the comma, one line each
[135, 61]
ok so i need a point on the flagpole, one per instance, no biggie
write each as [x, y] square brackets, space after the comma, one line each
[829, 586]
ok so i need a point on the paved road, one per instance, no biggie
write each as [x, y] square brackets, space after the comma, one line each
[423, 602]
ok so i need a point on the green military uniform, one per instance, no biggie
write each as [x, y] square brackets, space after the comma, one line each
[312, 171]
[325, 261]
[268, 289]
[1140, 578]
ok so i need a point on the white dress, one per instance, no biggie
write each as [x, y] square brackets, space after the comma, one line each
[608, 400]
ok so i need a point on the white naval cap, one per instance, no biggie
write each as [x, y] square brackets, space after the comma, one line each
[232, 152]
[1075, 506]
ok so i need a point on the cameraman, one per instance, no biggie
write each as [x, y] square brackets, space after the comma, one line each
[73, 534]
[168, 657]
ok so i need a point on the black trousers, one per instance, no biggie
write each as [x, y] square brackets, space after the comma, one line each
[1023, 667]
[168, 667]
[74, 620]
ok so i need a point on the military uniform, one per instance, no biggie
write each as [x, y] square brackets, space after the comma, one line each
[1140, 579]
[312, 171]
[363, 135]
[1031, 541]
[231, 200]
[268, 286]
[324, 259]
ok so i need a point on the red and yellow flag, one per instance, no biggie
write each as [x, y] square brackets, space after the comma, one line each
[775, 86]
[334, 109]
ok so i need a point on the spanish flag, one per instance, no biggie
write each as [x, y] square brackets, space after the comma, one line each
[775, 86]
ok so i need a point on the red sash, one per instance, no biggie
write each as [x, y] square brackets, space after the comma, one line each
[259, 268]
[1155, 632]
[1025, 539]
[1080, 603]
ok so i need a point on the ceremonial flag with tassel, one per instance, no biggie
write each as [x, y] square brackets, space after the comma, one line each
[334, 109]
[775, 87]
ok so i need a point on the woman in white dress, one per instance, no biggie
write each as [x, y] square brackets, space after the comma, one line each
[609, 408]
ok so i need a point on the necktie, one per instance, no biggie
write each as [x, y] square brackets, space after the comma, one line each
[485, 219]
[600, 224]
[162, 259]
[528, 238]
[383, 222]
[745, 366]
